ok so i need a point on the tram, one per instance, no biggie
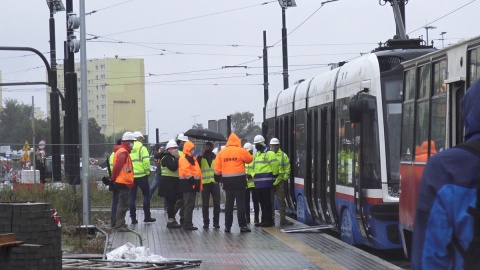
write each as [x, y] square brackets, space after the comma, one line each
[434, 85]
[341, 130]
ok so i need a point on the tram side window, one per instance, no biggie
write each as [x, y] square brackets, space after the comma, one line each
[345, 144]
[439, 76]
[300, 147]
[424, 82]
[408, 117]
[422, 114]
[439, 108]
[474, 58]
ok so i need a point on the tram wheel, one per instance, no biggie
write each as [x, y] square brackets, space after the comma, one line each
[346, 231]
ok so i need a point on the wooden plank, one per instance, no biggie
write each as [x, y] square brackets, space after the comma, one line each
[8, 240]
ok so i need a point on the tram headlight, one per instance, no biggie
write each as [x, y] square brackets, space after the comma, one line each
[394, 192]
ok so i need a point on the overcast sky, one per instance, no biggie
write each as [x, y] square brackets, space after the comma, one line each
[185, 44]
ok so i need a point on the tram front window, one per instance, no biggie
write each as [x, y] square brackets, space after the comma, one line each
[392, 89]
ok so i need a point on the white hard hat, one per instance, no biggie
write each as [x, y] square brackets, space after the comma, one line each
[138, 134]
[274, 141]
[128, 136]
[248, 146]
[182, 137]
[258, 139]
[171, 144]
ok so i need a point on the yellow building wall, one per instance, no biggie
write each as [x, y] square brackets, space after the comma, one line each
[116, 93]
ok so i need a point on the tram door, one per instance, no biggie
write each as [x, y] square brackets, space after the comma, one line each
[323, 185]
[457, 91]
[287, 143]
[312, 181]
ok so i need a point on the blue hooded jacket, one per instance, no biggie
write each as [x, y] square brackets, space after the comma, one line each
[447, 189]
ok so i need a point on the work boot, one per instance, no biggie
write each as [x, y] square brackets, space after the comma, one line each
[286, 223]
[150, 219]
[205, 225]
[216, 225]
[227, 229]
[190, 227]
[245, 229]
[173, 225]
[134, 221]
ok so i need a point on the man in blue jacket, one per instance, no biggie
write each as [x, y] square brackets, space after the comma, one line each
[447, 189]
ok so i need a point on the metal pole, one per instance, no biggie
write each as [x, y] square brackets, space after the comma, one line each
[54, 104]
[284, 50]
[33, 142]
[85, 142]
[71, 122]
[265, 81]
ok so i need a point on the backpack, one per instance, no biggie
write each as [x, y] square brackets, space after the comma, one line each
[471, 255]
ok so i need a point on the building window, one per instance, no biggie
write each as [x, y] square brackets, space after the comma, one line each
[104, 116]
[102, 77]
[102, 67]
[104, 107]
[104, 97]
[103, 87]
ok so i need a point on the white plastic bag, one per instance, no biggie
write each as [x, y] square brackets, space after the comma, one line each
[129, 252]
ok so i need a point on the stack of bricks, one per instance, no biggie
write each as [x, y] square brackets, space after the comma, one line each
[33, 224]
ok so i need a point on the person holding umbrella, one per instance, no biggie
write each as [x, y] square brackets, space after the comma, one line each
[206, 161]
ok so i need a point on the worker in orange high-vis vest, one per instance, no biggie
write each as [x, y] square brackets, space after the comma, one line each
[190, 182]
[230, 169]
[122, 175]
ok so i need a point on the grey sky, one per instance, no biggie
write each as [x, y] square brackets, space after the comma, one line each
[195, 38]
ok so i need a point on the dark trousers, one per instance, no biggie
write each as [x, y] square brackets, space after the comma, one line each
[189, 200]
[239, 196]
[123, 194]
[214, 190]
[113, 213]
[170, 201]
[264, 197]
[256, 207]
[142, 183]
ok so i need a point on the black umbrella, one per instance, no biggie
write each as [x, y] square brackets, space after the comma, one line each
[205, 134]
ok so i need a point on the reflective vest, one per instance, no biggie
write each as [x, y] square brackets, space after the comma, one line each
[207, 171]
[265, 166]
[251, 171]
[283, 165]
[165, 171]
[140, 159]
[126, 174]
[110, 161]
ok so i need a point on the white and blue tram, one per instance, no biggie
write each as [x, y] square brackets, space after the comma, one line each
[341, 130]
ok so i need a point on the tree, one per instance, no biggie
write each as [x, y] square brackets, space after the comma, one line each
[15, 123]
[198, 126]
[96, 139]
[243, 125]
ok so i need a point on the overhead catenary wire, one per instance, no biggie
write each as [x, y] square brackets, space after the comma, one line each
[189, 19]
[451, 12]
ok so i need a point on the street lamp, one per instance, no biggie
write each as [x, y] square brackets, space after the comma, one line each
[428, 28]
[442, 33]
[285, 4]
[54, 6]
[194, 119]
[148, 121]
